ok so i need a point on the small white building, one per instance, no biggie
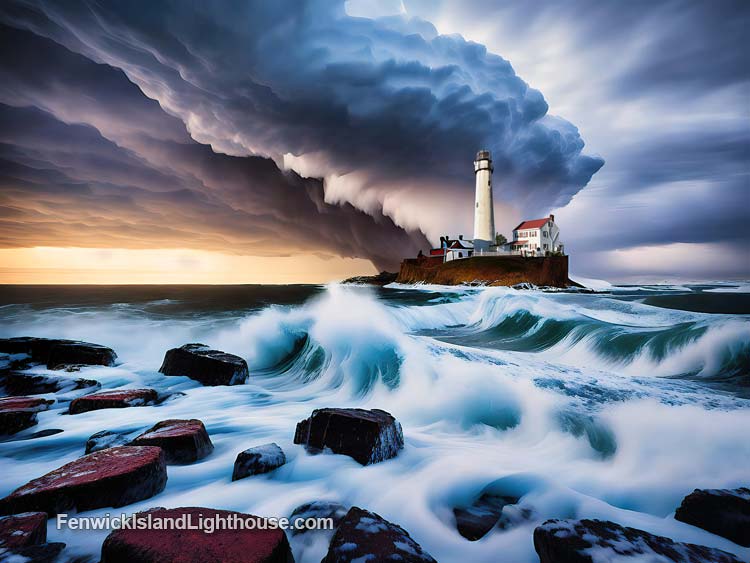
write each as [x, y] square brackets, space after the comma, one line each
[537, 237]
[453, 249]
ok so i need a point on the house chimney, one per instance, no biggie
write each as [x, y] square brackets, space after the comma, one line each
[460, 237]
[551, 217]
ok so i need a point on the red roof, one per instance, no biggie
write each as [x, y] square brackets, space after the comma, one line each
[533, 224]
[519, 242]
[436, 252]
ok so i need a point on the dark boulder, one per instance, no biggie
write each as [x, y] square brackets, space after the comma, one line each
[381, 279]
[43, 553]
[19, 413]
[365, 536]
[108, 439]
[317, 509]
[598, 541]
[473, 522]
[17, 383]
[56, 353]
[724, 512]
[20, 530]
[38, 349]
[114, 477]
[201, 363]
[257, 460]
[368, 436]
[113, 399]
[183, 441]
[256, 545]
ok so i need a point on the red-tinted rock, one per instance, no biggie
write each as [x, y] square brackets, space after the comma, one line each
[210, 367]
[113, 399]
[183, 441]
[368, 436]
[18, 413]
[365, 536]
[20, 530]
[725, 512]
[196, 546]
[17, 383]
[56, 352]
[599, 541]
[113, 477]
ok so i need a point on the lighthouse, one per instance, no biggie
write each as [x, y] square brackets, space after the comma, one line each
[484, 214]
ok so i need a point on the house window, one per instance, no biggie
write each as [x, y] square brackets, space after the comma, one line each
[544, 234]
[545, 247]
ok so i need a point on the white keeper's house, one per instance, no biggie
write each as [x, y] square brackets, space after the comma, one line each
[537, 237]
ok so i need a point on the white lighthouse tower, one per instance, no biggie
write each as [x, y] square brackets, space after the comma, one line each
[484, 213]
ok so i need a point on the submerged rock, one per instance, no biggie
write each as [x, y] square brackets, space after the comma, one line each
[257, 460]
[256, 545]
[724, 512]
[201, 363]
[598, 541]
[20, 530]
[16, 383]
[365, 536]
[114, 477]
[183, 441]
[475, 521]
[368, 436]
[42, 553]
[113, 399]
[19, 413]
[317, 509]
[107, 439]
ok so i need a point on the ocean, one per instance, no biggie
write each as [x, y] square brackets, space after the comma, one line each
[610, 405]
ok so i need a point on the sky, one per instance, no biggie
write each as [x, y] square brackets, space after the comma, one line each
[281, 142]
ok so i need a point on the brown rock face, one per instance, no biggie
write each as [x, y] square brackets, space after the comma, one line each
[247, 545]
[724, 512]
[113, 477]
[114, 399]
[489, 270]
[210, 367]
[183, 441]
[368, 436]
[365, 536]
[596, 541]
[20, 530]
[19, 413]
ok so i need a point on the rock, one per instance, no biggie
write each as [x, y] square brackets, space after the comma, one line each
[257, 460]
[365, 536]
[183, 441]
[114, 477]
[210, 367]
[381, 279]
[113, 399]
[20, 530]
[55, 352]
[598, 541]
[44, 553]
[476, 520]
[34, 384]
[368, 436]
[19, 413]
[40, 434]
[317, 509]
[256, 545]
[724, 512]
[107, 439]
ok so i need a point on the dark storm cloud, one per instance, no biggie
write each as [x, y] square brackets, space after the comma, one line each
[389, 99]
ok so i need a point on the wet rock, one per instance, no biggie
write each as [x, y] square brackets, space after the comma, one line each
[16, 383]
[38, 349]
[113, 399]
[19, 413]
[201, 363]
[476, 520]
[80, 353]
[107, 439]
[724, 512]
[368, 436]
[255, 545]
[381, 279]
[317, 509]
[44, 553]
[20, 530]
[114, 477]
[257, 460]
[365, 536]
[598, 541]
[40, 434]
[183, 441]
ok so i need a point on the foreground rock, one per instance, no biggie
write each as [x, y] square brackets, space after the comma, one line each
[201, 363]
[598, 541]
[196, 546]
[16, 383]
[57, 353]
[19, 413]
[114, 477]
[183, 441]
[258, 460]
[724, 512]
[20, 530]
[368, 436]
[475, 521]
[113, 399]
[365, 536]
[381, 279]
